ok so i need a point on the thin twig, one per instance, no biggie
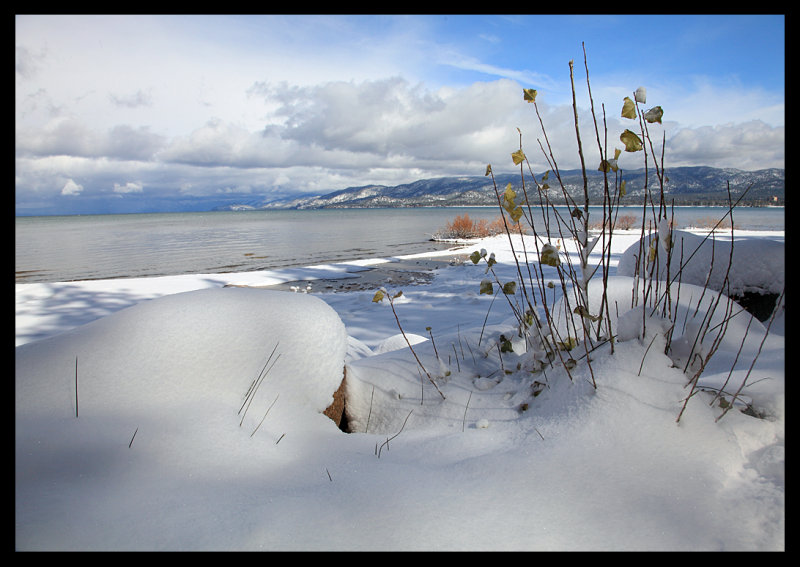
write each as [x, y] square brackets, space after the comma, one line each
[265, 415]
[430, 378]
[395, 435]
[641, 365]
[76, 386]
[464, 421]
[134, 435]
[369, 414]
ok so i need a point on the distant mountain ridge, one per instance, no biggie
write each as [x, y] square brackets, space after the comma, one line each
[685, 186]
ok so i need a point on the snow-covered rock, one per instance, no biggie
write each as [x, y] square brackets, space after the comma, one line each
[758, 264]
[220, 340]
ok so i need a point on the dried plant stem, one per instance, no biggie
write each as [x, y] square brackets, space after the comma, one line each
[256, 383]
[76, 386]
[265, 415]
[386, 443]
[399, 326]
[641, 365]
[369, 414]
[464, 421]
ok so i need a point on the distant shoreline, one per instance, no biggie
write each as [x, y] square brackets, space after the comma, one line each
[405, 207]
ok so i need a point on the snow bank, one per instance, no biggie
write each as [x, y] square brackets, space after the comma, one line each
[758, 264]
[218, 342]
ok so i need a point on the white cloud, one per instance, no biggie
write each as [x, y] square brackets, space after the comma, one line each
[133, 100]
[72, 137]
[71, 188]
[749, 145]
[129, 187]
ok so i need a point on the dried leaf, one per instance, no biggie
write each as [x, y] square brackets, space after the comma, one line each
[486, 287]
[569, 344]
[549, 255]
[654, 114]
[515, 214]
[529, 95]
[509, 288]
[608, 165]
[583, 312]
[488, 170]
[631, 141]
[509, 195]
[518, 157]
[640, 95]
[628, 108]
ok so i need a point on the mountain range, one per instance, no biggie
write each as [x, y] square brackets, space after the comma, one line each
[684, 186]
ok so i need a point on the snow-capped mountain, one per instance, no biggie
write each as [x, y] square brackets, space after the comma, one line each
[684, 185]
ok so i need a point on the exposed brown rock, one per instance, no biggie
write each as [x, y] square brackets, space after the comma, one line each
[335, 411]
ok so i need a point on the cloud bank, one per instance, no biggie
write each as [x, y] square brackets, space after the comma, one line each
[228, 134]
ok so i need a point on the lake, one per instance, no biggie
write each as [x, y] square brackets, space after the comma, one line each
[83, 247]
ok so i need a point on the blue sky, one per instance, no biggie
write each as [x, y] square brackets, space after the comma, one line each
[139, 113]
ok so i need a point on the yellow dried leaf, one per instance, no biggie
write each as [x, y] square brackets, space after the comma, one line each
[549, 255]
[529, 95]
[628, 108]
[518, 157]
[510, 195]
[631, 141]
[583, 312]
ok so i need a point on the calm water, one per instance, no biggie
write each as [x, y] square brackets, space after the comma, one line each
[66, 248]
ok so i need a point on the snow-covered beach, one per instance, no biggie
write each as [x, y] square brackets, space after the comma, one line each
[143, 423]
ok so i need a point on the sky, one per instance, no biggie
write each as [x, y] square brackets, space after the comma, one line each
[149, 113]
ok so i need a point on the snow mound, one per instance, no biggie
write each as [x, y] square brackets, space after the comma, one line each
[220, 340]
[758, 264]
[398, 341]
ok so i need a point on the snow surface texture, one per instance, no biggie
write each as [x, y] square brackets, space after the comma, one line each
[511, 458]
